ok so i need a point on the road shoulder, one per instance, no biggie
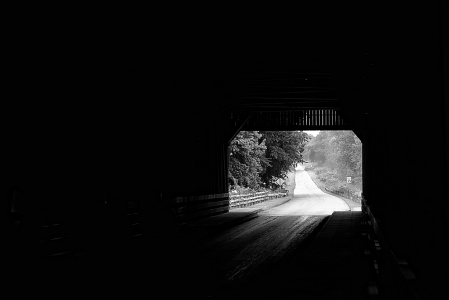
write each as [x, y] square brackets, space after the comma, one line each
[353, 205]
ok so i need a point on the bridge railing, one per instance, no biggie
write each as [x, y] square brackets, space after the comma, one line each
[383, 253]
[244, 200]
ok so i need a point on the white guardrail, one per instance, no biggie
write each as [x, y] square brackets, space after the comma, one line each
[253, 198]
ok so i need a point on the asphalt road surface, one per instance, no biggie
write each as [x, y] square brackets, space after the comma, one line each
[243, 261]
[308, 199]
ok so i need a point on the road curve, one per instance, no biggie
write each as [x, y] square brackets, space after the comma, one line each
[308, 199]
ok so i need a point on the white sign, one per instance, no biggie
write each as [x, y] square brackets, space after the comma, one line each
[280, 181]
[348, 179]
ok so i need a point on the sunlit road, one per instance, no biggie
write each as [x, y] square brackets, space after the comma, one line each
[308, 199]
[245, 256]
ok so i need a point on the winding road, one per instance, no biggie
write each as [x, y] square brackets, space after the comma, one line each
[308, 199]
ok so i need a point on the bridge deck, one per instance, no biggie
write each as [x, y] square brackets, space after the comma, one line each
[338, 263]
[341, 262]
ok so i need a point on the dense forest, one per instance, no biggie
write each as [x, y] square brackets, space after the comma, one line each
[259, 158]
[334, 156]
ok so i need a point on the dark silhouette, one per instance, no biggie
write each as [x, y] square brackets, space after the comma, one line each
[138, 107]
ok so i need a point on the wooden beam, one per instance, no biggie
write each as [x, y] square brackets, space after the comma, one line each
[282, 106]
[296, 127]
[272, 88]
[236, 130]
[282, 92]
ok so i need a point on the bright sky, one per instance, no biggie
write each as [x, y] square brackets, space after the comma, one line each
[312, 132]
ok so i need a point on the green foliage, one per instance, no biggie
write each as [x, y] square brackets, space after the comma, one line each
[336, 155]
[319, 170]
[257, 159]
[247, 159]
[284, 150]
[316, 149]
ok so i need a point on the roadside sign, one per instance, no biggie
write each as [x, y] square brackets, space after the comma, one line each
[280, 181]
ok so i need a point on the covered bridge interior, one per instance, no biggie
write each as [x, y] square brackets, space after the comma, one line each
[138, 114]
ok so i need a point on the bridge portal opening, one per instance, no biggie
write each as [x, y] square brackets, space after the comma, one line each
[325, 166]
[294, 180]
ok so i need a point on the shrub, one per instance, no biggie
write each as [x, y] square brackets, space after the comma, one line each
[328, 177]
[319, 170]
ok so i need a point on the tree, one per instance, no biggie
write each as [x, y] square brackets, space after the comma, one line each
[339, 152]
[317, 148]
[350, 152]
[247, 159]
[284, 151]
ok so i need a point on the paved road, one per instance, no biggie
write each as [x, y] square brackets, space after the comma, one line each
[241, 258]
[308, 199]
